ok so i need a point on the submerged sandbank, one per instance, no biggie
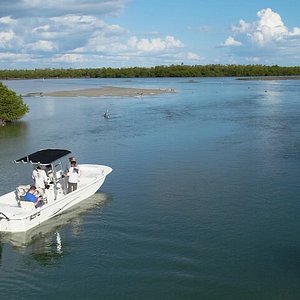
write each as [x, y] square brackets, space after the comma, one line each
[107, 91]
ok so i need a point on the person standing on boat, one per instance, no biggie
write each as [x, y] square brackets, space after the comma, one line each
[31, 197]
[40, 178]
[68, 166]
[73, 177]
[66, 177]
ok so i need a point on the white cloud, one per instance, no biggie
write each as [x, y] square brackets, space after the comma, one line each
[193, 56]
[70, 20]
[6, 38]
[7, 20]
[71, 39]
[252, 60]
[104, 38]
[267, 30]
[15, 57]
[45, 46]
[68, 33]
[230, 41]
[295, 32]
[68, 58]
[265, 40]
[243, 27]
[155, 44]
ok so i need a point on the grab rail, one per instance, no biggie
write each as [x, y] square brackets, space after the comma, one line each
[5, 216]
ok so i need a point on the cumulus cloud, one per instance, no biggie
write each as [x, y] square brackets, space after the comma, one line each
[68, 58]
[155, 44]
[252, 60]
[14, 57]
[243, 27]
[265, 39]
[268, 29]
[45, 46]
[70, 33]
[193, 56]
[230, 41]
[7, 20]
[6, 38]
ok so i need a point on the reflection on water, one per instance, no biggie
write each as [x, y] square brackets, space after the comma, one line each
[47, 248]
[13, 129]
[45, 242]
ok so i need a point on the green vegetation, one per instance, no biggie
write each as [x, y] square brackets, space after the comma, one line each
[12, 106]
[158, 71]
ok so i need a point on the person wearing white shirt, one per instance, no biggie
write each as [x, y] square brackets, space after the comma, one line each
[40, 178]
[73, 177]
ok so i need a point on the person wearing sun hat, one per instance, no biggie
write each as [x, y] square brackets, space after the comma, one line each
[73, 177]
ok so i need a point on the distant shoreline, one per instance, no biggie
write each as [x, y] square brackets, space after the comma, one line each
[104, 91]
[270, 78]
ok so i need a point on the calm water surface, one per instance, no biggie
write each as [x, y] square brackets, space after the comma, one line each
[203, 202]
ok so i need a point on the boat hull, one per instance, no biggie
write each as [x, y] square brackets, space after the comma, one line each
[18, 219]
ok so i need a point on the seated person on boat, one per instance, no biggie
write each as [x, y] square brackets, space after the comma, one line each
[31, 197]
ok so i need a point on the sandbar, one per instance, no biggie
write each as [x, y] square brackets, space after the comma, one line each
[270, 78]
[108, 91]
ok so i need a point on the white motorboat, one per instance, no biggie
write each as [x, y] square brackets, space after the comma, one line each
[48, 229]
[17, 215]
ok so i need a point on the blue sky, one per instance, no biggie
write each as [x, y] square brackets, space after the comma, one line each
[127, 33]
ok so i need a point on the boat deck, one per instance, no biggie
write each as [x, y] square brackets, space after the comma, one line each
[9, 204]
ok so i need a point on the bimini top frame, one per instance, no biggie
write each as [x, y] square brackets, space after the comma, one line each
[43, 157]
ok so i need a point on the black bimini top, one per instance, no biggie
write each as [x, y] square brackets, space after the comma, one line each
[44, 156]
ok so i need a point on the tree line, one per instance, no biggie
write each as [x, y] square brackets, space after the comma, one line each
[12, 106]
[182, 70]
